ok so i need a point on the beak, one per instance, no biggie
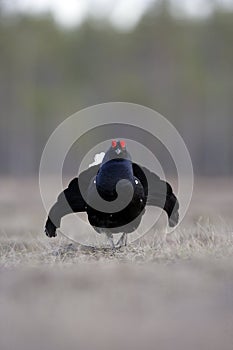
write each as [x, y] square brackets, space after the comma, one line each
[118, 151]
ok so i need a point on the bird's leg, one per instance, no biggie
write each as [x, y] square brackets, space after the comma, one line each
[110, 240]
[122, 241]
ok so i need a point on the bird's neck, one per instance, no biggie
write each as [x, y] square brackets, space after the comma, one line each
[113, 171]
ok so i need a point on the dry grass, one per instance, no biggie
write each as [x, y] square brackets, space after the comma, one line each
[197, 241]
[162, 292]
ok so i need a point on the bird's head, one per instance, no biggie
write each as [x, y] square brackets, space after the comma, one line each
[117, 150]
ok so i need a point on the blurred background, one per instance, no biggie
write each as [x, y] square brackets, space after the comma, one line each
[58, 57]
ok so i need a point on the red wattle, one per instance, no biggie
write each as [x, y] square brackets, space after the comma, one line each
[114, 144]
[122, 143]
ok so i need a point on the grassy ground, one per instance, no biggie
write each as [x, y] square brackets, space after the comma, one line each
[197, 242]
[162, 292]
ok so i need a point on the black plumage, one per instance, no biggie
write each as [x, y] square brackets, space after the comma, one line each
[117, 180]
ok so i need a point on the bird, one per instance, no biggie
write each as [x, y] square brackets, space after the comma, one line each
[114, 194]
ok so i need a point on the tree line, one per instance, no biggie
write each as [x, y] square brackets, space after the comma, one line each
[183, 68]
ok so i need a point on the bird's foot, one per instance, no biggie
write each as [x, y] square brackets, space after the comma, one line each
[111, 241]
[122, 241]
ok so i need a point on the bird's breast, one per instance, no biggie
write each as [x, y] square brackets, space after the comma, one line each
[111, 173]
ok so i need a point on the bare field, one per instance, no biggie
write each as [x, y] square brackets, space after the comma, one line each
[170, 291]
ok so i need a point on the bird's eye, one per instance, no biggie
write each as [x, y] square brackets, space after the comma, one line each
[114, 144]
[123, 144]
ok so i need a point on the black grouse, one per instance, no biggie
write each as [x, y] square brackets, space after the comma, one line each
[114, 195]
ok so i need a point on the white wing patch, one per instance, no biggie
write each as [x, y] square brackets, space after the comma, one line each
[98, 158]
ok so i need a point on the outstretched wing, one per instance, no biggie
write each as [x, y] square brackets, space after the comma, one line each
[158, 192]
[70, 200]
